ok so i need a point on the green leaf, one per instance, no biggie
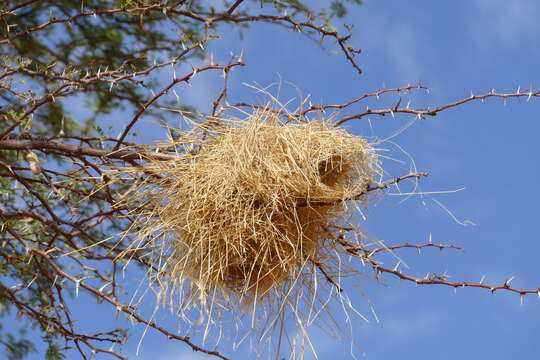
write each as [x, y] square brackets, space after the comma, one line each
[53, 353]
[16, 349]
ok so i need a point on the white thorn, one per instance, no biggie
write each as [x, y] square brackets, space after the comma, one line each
[103, 287]
[507, 282]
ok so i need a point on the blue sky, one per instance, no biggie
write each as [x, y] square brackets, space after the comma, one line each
[489, 148]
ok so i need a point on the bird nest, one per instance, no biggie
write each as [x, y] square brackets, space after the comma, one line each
[249, 214]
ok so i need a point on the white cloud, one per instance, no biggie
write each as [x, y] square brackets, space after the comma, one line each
[177, 353]
[395, 44]
[403, 326]
[511, 23]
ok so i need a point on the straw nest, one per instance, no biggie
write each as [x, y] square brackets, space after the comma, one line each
[249, 213]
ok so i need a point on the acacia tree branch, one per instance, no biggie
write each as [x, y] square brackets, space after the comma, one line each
[166, 89]
[121, 307]
[366, 255]
[404, 246]
[393, 181]
[362, 97]
[435, 279]
[53, 321]
[422, 113]
[233, 7]
[369, 189]
[73, 150]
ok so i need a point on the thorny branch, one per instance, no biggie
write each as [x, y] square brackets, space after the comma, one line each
[435, 279]
[56, 221]
[121, 307]
[422, 113]
[165, 90]
[367, 256]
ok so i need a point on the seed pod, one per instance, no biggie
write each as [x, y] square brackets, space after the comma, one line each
[33, 163]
